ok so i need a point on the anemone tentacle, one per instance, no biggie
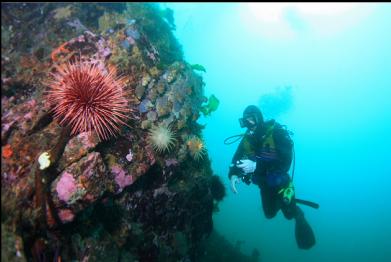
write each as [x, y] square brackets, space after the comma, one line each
[196, 147]
[161, 138]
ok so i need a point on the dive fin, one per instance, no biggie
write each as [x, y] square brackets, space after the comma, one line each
[307, 203]
[305, 237]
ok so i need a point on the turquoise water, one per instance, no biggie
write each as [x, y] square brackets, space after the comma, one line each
[333, 69]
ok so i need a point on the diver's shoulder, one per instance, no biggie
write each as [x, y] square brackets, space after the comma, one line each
[272, 122]
[277, 127]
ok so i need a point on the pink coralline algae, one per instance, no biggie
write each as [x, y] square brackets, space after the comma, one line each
[89, 166]
[66, 187]
[7, 126]
[66, 215]
[78, 147]
[18, 116]
[28, 116]
[121, 178]
[88, 140]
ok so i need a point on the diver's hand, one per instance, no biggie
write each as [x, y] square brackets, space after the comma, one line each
[234, 181]
[247, 166]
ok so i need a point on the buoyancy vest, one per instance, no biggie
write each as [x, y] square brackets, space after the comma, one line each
[262, 147]
[267, 148]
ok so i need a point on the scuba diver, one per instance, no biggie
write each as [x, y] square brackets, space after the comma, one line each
[264, 157]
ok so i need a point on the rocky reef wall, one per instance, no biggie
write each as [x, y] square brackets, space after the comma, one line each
[146, 194]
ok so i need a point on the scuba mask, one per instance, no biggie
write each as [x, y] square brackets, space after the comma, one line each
[249, 121]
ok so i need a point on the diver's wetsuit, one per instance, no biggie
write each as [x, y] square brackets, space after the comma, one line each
[271, 147]
[271, 173]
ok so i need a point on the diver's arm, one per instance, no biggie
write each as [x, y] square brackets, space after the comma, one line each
[237, 156]
[234, 171]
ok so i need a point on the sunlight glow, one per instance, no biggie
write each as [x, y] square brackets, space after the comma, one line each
[273, 12]
[288, 19]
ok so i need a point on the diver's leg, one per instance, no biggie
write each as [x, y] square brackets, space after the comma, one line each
[286, 198]
[289, 210]
[269, 202]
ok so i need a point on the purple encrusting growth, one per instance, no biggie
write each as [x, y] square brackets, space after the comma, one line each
[121, 178]
[66, 187]
[171, 162]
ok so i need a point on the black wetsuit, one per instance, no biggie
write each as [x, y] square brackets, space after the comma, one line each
[271, 147]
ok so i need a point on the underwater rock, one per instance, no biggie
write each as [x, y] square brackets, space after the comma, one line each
[79, 185]
[140, 89]
[162, 106]
[110, 21]
[146, 124]
[171, 162]
[88, 46]
[182, 153]
[168, 121]
[132, 32]
[145, 80]
[215, 243]
[66, 187]
[145, 105]
[161, 86]
[181, 124]
[62, 12]
[170, 76]
[77, 147]
[153, 94]
[11, 246]
[174, 208]
[176, 107]
[217, 188]
[119, 199]
[77, 25]
[121, 178]
[17, 169]
[21, 116]
[152, 116]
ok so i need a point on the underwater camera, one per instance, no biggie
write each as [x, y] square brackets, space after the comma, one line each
[246, 178]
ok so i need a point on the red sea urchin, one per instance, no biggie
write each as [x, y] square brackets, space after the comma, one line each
[87, 98]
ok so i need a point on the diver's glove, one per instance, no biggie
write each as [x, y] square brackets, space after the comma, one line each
[234, 180]
[248, 166]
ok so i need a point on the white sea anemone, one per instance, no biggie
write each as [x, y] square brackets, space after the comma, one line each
[196, 147]
[161, 138]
